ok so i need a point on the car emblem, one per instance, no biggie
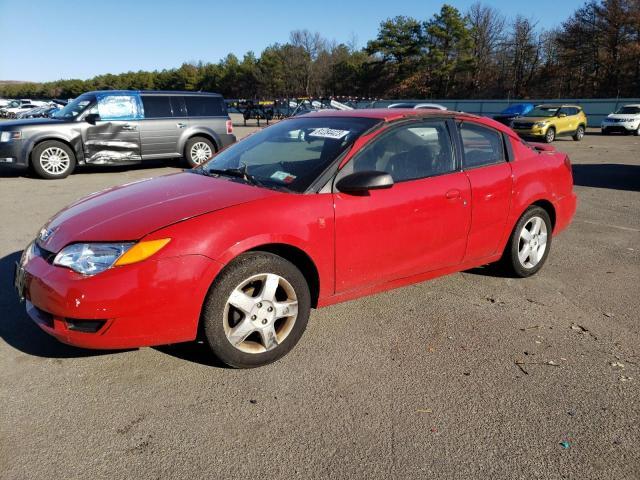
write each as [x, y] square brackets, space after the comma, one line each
[44, 234]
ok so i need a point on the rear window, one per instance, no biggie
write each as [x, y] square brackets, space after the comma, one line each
[205, 106]
[156, 106]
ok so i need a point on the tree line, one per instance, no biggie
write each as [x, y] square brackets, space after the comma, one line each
[478, 53]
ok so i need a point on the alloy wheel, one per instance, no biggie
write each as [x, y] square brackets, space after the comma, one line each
[532, 242]
[260, 313]
[200, 152]
[54, 160]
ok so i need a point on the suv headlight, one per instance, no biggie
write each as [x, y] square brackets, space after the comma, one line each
[92, 258]
[539, 124]
[10, 135]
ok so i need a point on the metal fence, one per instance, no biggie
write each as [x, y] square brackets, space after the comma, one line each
[595, 108]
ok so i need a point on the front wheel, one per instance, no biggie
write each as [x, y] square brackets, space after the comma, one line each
[529, 244]
[550, 136]
[198, 150]
[256, 310]
[52, 160]
[637, 131]
[579, 134]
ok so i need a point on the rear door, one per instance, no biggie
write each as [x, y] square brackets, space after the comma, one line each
[160, 130]
[115, 136]
[484, 161]
[208, 113]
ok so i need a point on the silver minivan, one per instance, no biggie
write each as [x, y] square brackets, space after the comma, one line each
[119, 127]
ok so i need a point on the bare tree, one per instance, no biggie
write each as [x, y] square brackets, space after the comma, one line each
[487, 26]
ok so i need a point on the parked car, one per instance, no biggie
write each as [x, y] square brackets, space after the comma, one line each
[550, 121]
[238, 250]
[512, 111]
[418, 106]
[13, 112]
[119, 127]
[625, 120]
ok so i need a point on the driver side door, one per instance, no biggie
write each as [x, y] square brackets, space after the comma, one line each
[114, 136]
[419, 224]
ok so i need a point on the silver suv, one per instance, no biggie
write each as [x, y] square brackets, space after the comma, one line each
[117, 128]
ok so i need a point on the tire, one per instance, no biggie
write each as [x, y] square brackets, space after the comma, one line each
[52, 160]
[550, 135]
[514, 259]
[604, 131]
[243, 332]
[198, 150]
[579, 135]
[637, 131]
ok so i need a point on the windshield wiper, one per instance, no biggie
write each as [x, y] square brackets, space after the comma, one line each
[240, 172]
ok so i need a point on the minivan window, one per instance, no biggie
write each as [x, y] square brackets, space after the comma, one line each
[119, 107]
[156, 106]
[204, 106]
[177, 105]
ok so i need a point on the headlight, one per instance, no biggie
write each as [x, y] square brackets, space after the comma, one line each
[539, 124]
[27, 254]
[92, 258]
[8, 136]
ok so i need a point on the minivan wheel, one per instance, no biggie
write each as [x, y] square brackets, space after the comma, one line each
[256, 310]
[529, 243]
[579, 134]
[550, 136]
[52, 160]
[198, 150]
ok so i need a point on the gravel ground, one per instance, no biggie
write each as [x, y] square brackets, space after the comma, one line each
[468, 376]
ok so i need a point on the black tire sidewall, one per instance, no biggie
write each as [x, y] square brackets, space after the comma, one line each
[190, 143]
[546, 135]
[237, 271]
[37, 167]
[577, 137]
[514, 242]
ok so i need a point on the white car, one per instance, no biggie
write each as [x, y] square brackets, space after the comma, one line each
[418, 106]
[13, 112]
[625, 120]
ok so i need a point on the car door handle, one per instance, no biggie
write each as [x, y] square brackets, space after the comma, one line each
[181, 125]
[451, 194]
[126, 126]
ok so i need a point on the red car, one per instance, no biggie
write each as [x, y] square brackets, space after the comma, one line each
[311, 211]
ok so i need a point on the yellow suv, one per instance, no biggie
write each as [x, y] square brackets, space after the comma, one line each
[550, 121]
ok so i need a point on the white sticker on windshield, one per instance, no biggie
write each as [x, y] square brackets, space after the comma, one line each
[329, 133]
[284, 177]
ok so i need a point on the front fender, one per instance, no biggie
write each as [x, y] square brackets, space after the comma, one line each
[71, 137]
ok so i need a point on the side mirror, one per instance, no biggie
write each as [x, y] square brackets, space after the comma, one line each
[562, 115]
[361, 182]
[92, 118]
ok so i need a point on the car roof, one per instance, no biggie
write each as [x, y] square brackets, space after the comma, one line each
[558, 105]
[395, 114]
[156, 92]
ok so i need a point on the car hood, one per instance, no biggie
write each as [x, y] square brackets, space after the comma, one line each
[624, 116]
[27, 122]
[131, 211]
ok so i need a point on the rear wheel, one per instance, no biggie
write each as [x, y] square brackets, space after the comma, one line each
[579, 133]
[550, 136]
[52, 160]
[529, 244]
[198, 150]
[256, 311]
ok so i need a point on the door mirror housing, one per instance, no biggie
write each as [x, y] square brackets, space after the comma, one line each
[92, 118]
[562, 115]
[361, 182]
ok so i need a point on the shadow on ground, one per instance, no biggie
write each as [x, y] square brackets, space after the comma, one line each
[615, 176]
[17, 329]
[173, 164]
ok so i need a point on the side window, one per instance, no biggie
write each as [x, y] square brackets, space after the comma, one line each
[409, 152]
[156, 106]
[567, 111]
[177, 105]
[119, 107]
[204, 106]
[482, 146]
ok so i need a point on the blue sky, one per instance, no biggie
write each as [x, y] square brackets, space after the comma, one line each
[51, 39]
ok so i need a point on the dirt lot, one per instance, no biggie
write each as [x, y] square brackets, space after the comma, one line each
[421, 382]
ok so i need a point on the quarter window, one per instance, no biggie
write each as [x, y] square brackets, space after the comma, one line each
[156, 106]
[481, 146]
[409, 152]
[204, 106]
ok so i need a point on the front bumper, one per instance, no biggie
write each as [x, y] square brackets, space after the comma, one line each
[12, 154]
[620, 127]
[532, 132]
[153, 302]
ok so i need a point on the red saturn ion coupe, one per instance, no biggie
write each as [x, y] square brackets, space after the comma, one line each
[311, 211]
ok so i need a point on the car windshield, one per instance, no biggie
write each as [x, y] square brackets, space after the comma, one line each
[628, 110]
[74, 108]
[543, 112]
[291, 154]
